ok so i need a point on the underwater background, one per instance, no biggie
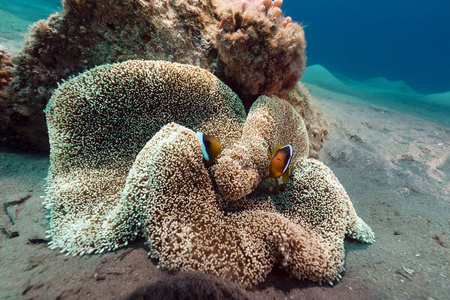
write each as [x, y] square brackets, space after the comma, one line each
[380, 73]
[31, 11]
[398, 40]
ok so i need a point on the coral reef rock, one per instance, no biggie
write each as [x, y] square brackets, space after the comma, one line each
[5, 80]
[126, 162]
[249, 45]
[316, 125]
[5, 69]
[261, 54]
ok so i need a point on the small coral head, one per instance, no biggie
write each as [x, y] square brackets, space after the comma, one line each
[276, 11]
[267, 3]
[277, 3]
[279, 161]
[210, 148]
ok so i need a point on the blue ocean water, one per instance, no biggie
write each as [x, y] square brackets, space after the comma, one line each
[31, 10]
[406, 40]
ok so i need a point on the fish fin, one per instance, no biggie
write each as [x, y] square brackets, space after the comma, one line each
[270, 154]
[277, 186]
[276, 149]
[286, 175]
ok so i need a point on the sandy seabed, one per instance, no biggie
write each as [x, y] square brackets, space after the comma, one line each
[394, 166]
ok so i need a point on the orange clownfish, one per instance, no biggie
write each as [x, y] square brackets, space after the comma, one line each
[279, 162]
[210, 148]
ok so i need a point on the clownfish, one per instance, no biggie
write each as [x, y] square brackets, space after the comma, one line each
[279, 161]
[210, 148]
